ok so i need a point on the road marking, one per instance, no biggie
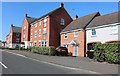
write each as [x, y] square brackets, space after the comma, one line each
[16, 54]
[77, 69]
[3, 65]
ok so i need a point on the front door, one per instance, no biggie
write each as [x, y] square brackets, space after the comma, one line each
[75, 53]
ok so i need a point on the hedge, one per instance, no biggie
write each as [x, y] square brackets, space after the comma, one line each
[44, 50]
[108, 52]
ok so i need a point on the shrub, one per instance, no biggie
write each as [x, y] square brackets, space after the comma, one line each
[44, 50]
[108, 52]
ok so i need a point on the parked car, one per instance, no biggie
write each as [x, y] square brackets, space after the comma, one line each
[62, 51]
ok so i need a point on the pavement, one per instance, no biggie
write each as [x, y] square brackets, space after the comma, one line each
[29, 63]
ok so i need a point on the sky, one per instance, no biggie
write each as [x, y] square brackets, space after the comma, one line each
[14, 12]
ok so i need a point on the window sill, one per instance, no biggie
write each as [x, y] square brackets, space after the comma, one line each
[93, 36]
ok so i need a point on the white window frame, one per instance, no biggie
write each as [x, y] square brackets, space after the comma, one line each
[40, 22]
[36, 24]
[39, 32]
[62, 21]
[44, 43]
[65, 35]
[114, 29]
[93, 31]
[45, 22]
[17, 40]
[75, 33]
[35, 34]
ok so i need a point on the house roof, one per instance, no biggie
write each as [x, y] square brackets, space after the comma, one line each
[104, 19]
[50, 13]
[81, 22]
[16, 29]
[30, 19]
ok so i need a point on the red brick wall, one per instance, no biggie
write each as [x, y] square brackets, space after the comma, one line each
[80, 39]
[53, 28]
[27, 33]
[56, 27]
[37, 28]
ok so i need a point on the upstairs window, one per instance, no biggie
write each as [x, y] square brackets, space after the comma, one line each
[65, 35]
[114, 29]
[17, 34]
[62, 21]
[75, 33]
[44, 33]
[39, 32]
[93, 32]
[40, 22]
[36, 24]
[17, 39]
[45, 22]
[35, 34]
[24, 31]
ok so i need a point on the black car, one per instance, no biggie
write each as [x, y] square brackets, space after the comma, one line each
[61, 51]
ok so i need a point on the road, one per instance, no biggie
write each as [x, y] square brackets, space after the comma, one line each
[13, 64]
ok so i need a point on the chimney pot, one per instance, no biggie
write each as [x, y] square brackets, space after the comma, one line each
[25, 15]
[11, 25]
[76, 16]
[61, 4]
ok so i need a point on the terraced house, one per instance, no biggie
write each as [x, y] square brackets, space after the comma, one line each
[74, 35]
[13, 39]
[45, 31]
[103, 29]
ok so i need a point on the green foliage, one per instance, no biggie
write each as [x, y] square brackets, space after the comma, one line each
[44, 50]
[108, 52]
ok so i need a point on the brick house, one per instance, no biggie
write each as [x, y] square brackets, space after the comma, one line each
[103, 29]
[13, 39]
[25, 31]
[45, 31]
[74, 35]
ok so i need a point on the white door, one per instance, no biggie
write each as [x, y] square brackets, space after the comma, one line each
[75, 53]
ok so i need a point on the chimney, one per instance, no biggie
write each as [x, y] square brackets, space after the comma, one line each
[26, 15]
[61, 4]
[76, 16]
[11, 25]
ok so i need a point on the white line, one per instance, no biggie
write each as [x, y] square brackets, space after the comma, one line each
[77, 69]
[16, 54]
[3, 65]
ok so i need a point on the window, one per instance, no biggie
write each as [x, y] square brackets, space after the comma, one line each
[75, 33]
[39, 32]
[17, 34]
[17, 39]
[24, 31]
[39, 43]
[34, 43]
[114, 29]
[35, 34]
[44, 33]
[93, 32]
[40, 22]
[45, 22]
[65, 35]
[62, 21]
[44, 43]
[36, 24]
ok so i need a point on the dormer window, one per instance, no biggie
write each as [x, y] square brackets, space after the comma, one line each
[62, 21]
